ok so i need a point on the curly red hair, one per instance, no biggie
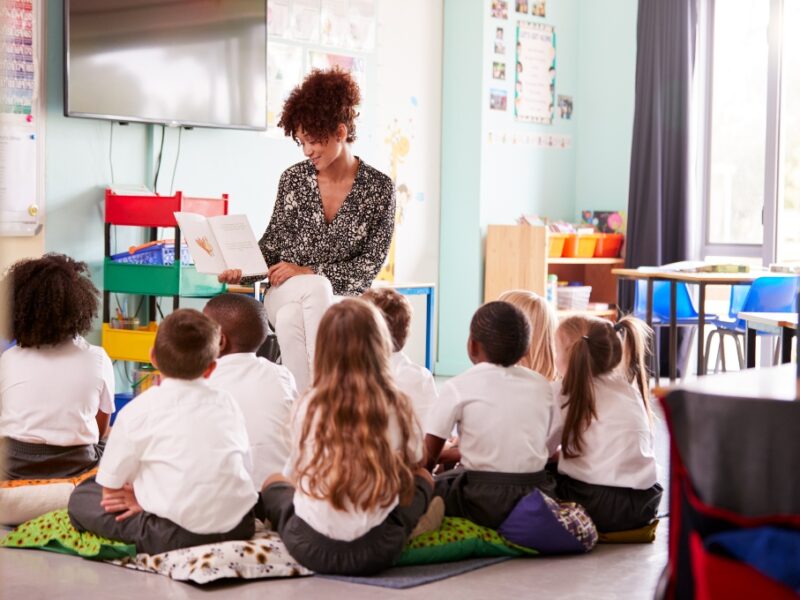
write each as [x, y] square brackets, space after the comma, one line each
[323, 101]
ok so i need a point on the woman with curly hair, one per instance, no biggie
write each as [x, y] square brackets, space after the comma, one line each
[56, 389]
[333, 218]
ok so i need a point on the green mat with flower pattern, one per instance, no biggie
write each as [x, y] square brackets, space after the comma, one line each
[457, 539]
[53, 531]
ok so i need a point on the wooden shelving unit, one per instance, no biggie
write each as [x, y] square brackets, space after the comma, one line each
[517, 258]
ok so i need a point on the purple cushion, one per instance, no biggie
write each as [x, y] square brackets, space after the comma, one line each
[549, 526]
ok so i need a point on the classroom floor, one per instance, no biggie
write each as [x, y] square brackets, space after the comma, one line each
[629, 571]
[610, 571]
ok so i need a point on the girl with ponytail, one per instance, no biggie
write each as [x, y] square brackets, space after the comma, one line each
[607, 461]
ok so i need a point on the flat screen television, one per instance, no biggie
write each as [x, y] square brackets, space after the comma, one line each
[193, 63]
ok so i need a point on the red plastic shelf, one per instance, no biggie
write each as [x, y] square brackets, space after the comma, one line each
[157, 211]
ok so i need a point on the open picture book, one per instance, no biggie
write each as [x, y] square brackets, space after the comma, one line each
[221, 242]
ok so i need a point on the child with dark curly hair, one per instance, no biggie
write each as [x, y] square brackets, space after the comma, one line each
[333, 219]
[56, 389]
[503, 413]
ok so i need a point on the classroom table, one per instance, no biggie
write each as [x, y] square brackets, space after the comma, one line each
[407, 289]
[781, 324]
[651, 274]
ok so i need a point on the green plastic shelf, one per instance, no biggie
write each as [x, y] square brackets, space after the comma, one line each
[158, 280]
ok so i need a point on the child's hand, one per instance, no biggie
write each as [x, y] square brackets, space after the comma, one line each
[121, 500]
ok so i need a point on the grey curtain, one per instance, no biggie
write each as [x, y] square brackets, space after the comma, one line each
[658, 193]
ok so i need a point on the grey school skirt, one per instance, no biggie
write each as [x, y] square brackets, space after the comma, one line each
[485, 497]
[24, 460]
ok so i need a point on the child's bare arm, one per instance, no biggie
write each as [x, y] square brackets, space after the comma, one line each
[433, 448]
[102, 419]
[121, 500]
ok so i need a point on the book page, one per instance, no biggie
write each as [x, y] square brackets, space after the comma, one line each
[202, 243]
[238, 244]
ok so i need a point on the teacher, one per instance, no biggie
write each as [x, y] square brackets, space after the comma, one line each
[332, 223]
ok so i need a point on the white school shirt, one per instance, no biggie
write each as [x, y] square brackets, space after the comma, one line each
[265, 393]
[502, 415]
[414, 381]
[618, 446]
[183, 445]
[352, 523]
[51, 394]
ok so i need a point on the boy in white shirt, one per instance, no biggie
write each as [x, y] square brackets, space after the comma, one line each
[264, 391]
[56, 389]
[414, 381]
[176, 469]
[503, 413]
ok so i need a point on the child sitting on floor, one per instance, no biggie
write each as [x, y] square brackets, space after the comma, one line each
[607, 462]
[176, 470]
[354, 494]
[414, 381]
[541, 356]
[264, 391]
[503, 413]
[56, 389]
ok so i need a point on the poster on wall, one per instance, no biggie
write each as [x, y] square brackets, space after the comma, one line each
[284, 72]
[335, 25]
[354, 65]
[362, 25]
[305, 20]
[534, 89]
[565, 107]
[498, 99]
[499, 42]
[500, 9]
[278, 18]
[539, 8]
[21, 111]
[521, 6]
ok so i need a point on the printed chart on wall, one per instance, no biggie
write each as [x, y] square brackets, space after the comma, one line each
[20, 210]
[534, 91]
[315, 34]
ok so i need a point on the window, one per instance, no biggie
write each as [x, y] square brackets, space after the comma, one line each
[789, 170]
[751, 173]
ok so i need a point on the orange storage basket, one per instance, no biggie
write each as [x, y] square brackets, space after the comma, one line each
[556, 244]
[608, 245]
[580, 245]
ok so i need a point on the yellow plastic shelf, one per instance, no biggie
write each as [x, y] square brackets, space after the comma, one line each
[129, 344]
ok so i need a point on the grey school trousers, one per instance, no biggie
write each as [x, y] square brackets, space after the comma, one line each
[485, 497]
[374, 551]
[150, 534]
[24, 460]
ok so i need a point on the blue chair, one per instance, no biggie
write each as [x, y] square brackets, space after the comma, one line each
[685, 311]
[765, 294]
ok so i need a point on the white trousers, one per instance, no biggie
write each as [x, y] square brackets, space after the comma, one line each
[295, 309]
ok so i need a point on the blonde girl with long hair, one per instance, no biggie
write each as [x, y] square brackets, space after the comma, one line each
[541, 355]
[607, 461]
[353, 493]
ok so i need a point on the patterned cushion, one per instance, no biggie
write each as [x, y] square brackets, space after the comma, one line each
[262, 556]
[54, 532]
[550, 526]
[25, 499]
[458, 539]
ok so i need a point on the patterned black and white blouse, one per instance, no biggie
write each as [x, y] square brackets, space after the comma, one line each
[351, 249]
